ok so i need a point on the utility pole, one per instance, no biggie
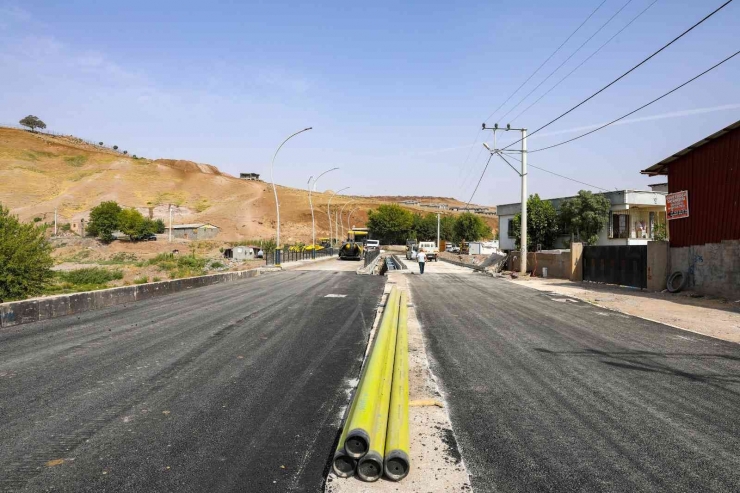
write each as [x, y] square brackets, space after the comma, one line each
[82, 227]
[438, 215]
[55, 221]
[523, 262]
[170, 223]
[523, 175]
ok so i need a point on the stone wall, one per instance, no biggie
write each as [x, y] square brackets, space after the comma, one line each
[713, 269]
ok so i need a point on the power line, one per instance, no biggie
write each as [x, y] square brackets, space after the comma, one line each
[470, 150]
[471, 171]
[641, 107]
[557, 174]
[584, 61]
[548, 59]
[567, 59]
[626, 73]
[481, 178]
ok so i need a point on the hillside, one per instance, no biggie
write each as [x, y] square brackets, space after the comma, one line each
[40, 172]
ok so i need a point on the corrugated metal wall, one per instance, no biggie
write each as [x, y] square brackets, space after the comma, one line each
[711, 174]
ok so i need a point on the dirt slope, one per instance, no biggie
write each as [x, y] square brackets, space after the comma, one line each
[39, 172]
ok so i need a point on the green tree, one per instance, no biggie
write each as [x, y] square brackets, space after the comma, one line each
[25, 258]
[32, 122]
[132, 223]
[104, 220]
[425, 227]
[447, 228]
[159, 226]
[584, 216]
[542, 224]
[470, 227]
[391, 223]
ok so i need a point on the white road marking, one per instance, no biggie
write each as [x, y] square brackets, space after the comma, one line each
[335, 296]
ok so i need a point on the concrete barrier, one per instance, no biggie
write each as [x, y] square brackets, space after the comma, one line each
[21, 312]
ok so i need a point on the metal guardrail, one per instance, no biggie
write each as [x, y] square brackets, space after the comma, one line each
[371, 256]
[278, 257]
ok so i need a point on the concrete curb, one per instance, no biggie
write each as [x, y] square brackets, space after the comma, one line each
[21, 312]
[370, 267]
[461, 264]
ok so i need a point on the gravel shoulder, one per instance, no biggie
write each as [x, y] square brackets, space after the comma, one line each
[708, 316]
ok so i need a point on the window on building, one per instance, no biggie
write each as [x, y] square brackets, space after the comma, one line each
[510, 229]
[620, 224]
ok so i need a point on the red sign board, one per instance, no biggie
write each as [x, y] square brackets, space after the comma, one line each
[677, 205]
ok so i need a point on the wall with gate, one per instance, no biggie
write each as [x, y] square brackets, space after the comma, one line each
[624, 265]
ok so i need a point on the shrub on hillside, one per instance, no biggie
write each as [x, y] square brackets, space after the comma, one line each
[90, 276]
[25, 258]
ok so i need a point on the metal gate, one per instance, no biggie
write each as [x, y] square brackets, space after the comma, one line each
[623, 265]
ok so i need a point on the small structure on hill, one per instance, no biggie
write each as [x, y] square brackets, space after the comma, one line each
[195, 231]
[250, 176]
[241, 253]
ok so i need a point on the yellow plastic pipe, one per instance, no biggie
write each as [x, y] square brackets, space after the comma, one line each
[343, 465]
[396, 462]
[362, 420]
[370, 466]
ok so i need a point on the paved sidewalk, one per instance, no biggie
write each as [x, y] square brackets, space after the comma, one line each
[707, 316]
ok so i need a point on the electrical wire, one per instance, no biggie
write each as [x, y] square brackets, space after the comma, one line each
[567, 59]
[481, 178]
[626, 73]
[641, 107]
[471, 171]
[584, 61]
[547, 60]
[557, 174]
[470, 150]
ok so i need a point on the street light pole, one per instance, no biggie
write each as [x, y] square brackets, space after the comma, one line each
[274, 189]
[350, 217]
[341, 224]
[438, 215]
[328, 214]
[310, 190]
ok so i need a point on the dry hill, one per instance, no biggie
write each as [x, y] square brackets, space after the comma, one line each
[40, 172]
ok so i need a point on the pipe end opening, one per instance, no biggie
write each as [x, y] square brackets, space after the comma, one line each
[344, 466]
[370, 467]
[396, 466]
[357, 444]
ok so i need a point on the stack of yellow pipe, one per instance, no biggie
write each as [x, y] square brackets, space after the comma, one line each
[375, 438]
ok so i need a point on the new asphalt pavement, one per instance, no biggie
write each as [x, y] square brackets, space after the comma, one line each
[548, 393]
[232, 387]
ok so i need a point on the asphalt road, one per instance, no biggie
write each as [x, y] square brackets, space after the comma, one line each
[233, 387]
[552, 394]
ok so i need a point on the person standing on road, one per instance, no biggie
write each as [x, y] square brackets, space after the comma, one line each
[421, 257]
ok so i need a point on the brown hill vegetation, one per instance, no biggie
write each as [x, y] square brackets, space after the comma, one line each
[41, 172]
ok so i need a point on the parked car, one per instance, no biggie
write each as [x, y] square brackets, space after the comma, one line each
[147, 237]
[372, 245]
[260, 254]
[410, 249]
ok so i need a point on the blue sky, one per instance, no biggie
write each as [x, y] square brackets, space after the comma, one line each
[395, 93]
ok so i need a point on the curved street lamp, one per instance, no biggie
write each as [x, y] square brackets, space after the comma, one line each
[328, 214]
[350, 217]
[341, 224]
[272, 179]
[310, 190]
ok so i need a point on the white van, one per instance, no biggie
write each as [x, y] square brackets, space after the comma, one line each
[430, 249]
